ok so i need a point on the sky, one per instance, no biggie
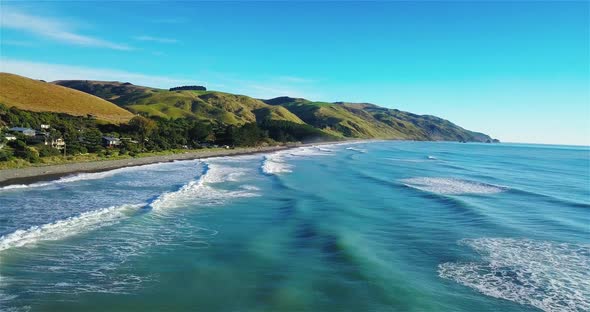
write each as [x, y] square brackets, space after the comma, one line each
[518, 71]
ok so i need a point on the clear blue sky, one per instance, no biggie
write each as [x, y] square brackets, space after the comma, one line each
[518, 71]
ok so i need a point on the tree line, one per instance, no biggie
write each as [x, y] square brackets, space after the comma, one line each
[197, 88]
[141, 134]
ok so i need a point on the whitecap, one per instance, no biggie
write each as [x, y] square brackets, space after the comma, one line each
[275, 164]
[451, 186]
[81, 177]
[548, 275]
[60, 229]
[322, 149]
[202, 190]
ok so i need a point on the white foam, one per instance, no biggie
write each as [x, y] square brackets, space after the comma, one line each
[80, 177]
[431, 157]
[323, 149]
[203, 192]
[451, 186]
[275, 164]
[548, 275]
[60, 229]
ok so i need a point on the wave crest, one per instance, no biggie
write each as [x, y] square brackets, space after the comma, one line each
[81, 177]
[202, 192]
[451, 186]
[84, 222]
[548, 275]
[275, 164]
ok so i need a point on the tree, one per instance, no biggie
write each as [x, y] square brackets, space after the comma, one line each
[246, 135]
[143, 127]
[199, 132]
[92, 140]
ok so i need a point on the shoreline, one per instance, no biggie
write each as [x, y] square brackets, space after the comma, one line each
[31, 175]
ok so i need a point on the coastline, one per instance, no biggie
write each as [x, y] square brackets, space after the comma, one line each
[31, 175]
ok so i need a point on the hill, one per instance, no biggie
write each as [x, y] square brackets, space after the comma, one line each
[38, 96]
[340, 119]
[204, 105]
[364, 120]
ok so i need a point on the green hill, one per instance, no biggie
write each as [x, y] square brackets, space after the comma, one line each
[345, 120]
[205, 105]
[38, 96]
[363, 120]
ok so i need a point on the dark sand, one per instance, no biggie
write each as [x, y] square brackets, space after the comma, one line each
[51, 172]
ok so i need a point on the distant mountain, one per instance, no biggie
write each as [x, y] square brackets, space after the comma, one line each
[364, 120]
[38, 96]
[340, 119]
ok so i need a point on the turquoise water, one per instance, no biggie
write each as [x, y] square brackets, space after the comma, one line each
[382, 226]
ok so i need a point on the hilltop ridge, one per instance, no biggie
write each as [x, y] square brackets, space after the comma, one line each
[39, 96]
[118, 101]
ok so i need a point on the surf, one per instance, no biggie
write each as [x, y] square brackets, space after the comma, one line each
[452, 186]
[551, 276]
[84, 222]
[203, 191]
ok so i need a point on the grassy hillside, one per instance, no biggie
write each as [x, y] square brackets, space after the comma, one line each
[363, 120]
[39, 96]
[344, 120]
[205, 105]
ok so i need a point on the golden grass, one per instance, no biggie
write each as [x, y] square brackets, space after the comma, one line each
[33, 95]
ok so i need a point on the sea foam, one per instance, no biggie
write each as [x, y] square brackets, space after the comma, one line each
[277, 162]
[203, 192]
[80, 177]
[60, 229]
[548, 275]
[451, 186]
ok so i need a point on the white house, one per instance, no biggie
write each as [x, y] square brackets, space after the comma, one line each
[110, 141]
[58, 143]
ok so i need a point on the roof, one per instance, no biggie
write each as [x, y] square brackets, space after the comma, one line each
[110, 138]
[20, 129]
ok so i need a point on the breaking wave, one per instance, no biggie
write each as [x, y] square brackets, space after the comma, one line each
[84, 222]
[202, 192]
[548, 275]
[452, 186]
[79, 177]
[275, 164]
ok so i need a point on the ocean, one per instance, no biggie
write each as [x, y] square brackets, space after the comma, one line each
[372, 226]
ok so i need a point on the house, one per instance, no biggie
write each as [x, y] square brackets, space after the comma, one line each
[110, 141]
[24, 131]
[45, 127]
[58, 143]
[9, 137]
